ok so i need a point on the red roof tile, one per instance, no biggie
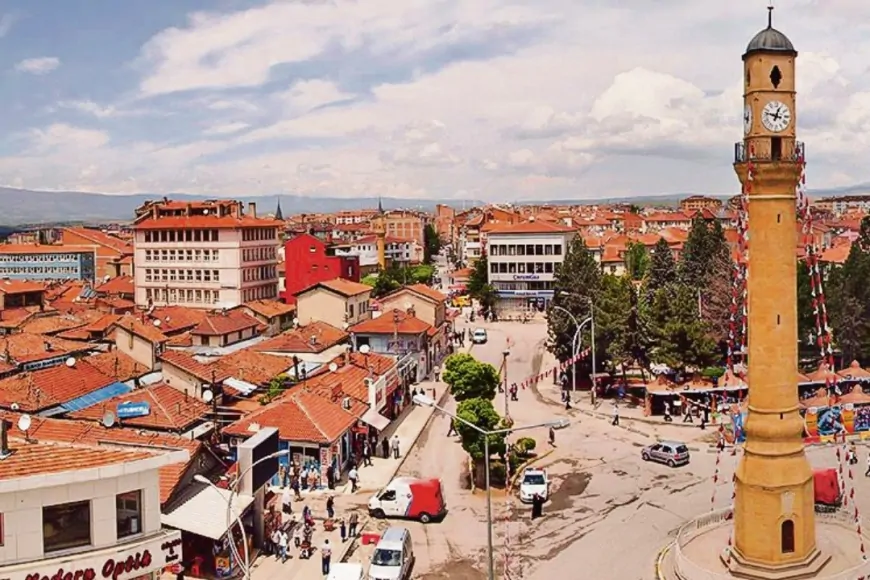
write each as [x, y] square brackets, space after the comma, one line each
[339, 286]
[220, 324]
[118, 285]
[29, 459]
[386, 324]
[191, 366]
[533, 227]
[298, 340]
[23, 347]
[146, 330]
[20, 286]
[269, 308]
[116, 364]
[103, 239]
[46, 388]
[206, 222]
[427, 292]
[170, 409]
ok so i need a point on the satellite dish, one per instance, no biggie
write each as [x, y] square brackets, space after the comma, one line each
[106, 278]
[15, 406]
[295, 322]
[333, 367]
[108, 419]
[205, 212]
[157, 322]
[24, 423]
[70, 362]
[345, 326]
[365, 349]
[207, 396]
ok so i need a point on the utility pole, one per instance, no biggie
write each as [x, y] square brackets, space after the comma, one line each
[504, 365]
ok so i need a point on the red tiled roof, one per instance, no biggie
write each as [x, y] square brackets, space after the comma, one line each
[29, 459]
[269, 308]
[533, 227]
[386, 323]
[102, 324]
[116, 364]
[427, 292]
[170, 409]
[837, 254]
[146, 330]
[206, 222]
[177, 318]
[23, 347]
[191, 366]
[20, 286]
[298, 340]
[47, 388]
[220, 324]
[118, 285]
[339, 286]
[103, 239]
[301, 417]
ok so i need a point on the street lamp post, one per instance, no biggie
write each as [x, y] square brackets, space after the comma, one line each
[592, 320]
[425, 401]
[234, 489]
[575, 344]
[505, 355]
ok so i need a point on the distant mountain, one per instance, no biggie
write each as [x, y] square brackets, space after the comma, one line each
[22, 206]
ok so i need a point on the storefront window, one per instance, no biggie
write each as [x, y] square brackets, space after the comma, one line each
[66, 525]
[129, 513]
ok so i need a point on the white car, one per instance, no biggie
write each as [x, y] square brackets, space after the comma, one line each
[535, 481]
[479, 336]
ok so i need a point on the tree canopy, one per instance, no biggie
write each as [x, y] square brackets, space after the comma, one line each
[431, 243]
[394, 277]
[480, 412]
[575, 285]
[848, 299]
[479, 287]
[682, 338]
[469, 378]
[662, 269]
[637, 260]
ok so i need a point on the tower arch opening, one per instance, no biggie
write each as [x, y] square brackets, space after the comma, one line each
[787, 536]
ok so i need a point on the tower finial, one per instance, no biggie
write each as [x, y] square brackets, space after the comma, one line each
[770, 14]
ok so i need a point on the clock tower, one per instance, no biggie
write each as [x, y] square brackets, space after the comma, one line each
[774, 517]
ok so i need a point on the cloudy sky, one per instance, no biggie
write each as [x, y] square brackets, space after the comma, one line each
[486, 99]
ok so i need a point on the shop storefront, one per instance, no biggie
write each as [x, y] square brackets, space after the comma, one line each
[143, 559]
[523, 300]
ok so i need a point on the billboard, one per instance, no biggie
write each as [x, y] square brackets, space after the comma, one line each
[261, 445]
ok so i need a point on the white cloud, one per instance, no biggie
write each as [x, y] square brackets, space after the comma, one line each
[38, 66]
[496, 99]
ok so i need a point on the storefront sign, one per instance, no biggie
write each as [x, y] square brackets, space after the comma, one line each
[526, 293]
[324, 462]
[131, 409]
[519, 277]
[377, 391]
[133, 561]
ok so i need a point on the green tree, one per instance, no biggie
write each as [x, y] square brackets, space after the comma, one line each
[452, 362]
[612, 308]
[471, 379]
[479, 412]
[637, 260]
[431, 243]
[694, 265]
[479, 276]
[848, 299]
[575, 286]
[662, 270]
[682, 338]
[385, 283]
[806, 315]
[631, 340]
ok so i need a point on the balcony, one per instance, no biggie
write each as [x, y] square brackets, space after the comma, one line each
[774, 149]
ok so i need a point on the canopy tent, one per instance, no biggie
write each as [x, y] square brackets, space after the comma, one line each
[204, 513]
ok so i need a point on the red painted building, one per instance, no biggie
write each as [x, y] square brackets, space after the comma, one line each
[308, 260]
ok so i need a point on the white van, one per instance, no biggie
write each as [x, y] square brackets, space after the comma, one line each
[346, 571]
[393, 558]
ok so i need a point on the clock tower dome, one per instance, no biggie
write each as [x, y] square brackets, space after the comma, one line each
[774, 517]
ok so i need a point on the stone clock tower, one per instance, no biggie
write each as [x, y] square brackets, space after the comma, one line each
[774, 518]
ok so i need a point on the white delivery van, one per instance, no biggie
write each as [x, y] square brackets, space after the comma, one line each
[393, 558]
[346, 571]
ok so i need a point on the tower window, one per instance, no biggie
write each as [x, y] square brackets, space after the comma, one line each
[775, 148]
[748, 77]
[775, 77]
[787, 530]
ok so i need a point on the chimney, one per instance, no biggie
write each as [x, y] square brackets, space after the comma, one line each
[4, 438]
[252, 209]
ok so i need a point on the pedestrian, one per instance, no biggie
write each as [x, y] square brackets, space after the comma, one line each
[342, 527]
[287, 501]
[276, 543]
[325, 557]
[353, 476]
[294, 485]
[437, 373]
[552, 437]
[567, 401]
[451, 430]
[352, 523]
[367, 454]
[687, 417]
[615, 415]
[385, 447]
[330, 507]
[395, 446]
[537, 506]
[282, 545]
[668, 418]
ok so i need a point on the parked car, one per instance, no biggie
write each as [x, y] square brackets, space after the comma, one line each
[671, 453]
[479, 336]
[535, 481]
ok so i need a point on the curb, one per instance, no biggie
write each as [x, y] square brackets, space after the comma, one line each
[529, 463]
[659, 560]
[343, 554]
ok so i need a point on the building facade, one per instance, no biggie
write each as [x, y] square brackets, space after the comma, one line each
[204, 254]
[523, 261]
[308, 260]
[47, 262]
[699, 202]
[396, 251]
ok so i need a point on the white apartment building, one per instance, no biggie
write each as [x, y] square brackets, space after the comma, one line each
[398, 251]
[204, 254]
[83, 513]
[523, 260]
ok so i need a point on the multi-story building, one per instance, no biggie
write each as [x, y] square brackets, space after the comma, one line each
[473, 234]
[47, 262]
[405, 224]
[844, 203]
[444, 215]
[308, 260]
[114, 255]
[208, 254]
[699, 202]
[523, 260]
[398, 252]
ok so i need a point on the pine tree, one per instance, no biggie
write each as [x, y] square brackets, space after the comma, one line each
[637, 260]
[682, 338]
[630, 340]
[848, 299]
[575, 285]
[662, 270]
[696, 255]
[806, 315]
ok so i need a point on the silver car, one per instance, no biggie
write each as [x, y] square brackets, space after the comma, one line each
[671, 453]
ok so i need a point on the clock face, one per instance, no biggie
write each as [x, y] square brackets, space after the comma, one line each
[776, 116]
[747, 119]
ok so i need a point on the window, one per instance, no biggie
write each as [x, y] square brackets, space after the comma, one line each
[787, 537]
[129, 513]
[66, 525]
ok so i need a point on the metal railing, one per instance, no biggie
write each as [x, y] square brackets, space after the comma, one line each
[688, 570]
[788, 150]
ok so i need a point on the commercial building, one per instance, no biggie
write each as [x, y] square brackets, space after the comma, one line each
[82, 512]
[208, 254]
[114, 256]
[398, 252]
[523, 261]
[47, 262]
[308, 260]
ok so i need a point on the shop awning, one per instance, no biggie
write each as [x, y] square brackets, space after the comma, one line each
[375, 419]
[205, 512]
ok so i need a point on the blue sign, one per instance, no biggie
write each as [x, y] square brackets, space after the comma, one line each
[131, 409]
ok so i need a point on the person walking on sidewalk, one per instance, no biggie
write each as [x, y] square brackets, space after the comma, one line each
[282, 545]
[287, 502]
[325, 557]
[276, 543]
[330, 507]
[615, 421]
[552, 437]
[342, 527]
[353, 476]
[395, 446]
[385, 447]
[367, 454]
[352, 523]
[668, 418]
[451, 430]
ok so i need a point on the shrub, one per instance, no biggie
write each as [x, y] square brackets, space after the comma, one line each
[525, 445]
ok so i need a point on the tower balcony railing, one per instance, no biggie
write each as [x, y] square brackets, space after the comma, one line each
[769, 150]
